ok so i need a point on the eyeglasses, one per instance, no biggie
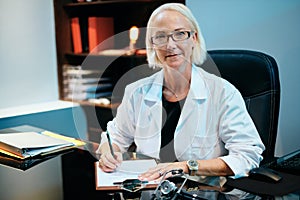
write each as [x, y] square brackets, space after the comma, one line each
[162, 38]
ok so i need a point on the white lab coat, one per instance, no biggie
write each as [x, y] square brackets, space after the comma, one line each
[214, 122]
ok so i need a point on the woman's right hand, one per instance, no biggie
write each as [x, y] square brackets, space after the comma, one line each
[108, 162]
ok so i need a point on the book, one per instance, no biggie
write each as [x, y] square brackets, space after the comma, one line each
[83, 21]
[78, 87]
[128, 170]
[74, 80]
[76, 35]
[99, 29]
[87, 95]
[77, 71]
[23, 145]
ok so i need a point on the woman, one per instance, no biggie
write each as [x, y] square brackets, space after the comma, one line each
[188, 118]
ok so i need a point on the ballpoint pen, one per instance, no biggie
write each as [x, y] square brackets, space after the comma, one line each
[110, 144]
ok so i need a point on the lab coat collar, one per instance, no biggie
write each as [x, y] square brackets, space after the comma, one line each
[155, 91]
[197, 84]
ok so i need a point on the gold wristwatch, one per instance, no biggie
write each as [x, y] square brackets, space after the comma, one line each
[193, 167]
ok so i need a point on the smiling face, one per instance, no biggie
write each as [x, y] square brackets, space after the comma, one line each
[174, 54]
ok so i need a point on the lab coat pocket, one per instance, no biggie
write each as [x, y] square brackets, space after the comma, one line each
[204, 146]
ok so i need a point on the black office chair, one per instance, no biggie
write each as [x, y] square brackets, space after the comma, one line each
[255, 75]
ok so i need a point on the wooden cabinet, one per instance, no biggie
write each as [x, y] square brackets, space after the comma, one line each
[125, 14]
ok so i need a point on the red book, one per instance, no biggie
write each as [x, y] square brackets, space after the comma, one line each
[100, 29]
[76, 36]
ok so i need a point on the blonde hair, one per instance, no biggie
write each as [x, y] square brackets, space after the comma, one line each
[199, 51]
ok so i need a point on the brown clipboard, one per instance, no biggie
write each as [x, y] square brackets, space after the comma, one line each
[112, 186]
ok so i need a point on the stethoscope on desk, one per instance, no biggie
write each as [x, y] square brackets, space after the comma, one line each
[166, 189]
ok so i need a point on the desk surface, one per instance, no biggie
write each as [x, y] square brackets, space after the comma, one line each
[70, 175]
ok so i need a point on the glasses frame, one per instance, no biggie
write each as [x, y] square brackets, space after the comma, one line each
[171, 35]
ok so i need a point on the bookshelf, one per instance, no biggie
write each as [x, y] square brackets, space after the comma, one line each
[124, 14]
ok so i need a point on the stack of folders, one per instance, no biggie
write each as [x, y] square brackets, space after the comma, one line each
[83, 84]
[23, 145]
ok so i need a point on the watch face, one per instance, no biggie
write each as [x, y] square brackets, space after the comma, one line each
[193, 163]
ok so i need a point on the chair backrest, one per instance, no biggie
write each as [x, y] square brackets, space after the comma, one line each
[255, 75]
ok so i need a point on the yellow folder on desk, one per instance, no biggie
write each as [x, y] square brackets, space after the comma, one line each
[24, 145]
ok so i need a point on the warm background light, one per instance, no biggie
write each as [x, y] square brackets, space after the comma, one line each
[133, 34]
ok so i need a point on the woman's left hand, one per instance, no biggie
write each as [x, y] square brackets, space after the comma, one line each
[157, 172]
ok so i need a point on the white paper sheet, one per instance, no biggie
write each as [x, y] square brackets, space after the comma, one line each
[129, 169]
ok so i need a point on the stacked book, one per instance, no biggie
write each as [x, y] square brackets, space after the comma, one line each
[92, 34]
[83, 84]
